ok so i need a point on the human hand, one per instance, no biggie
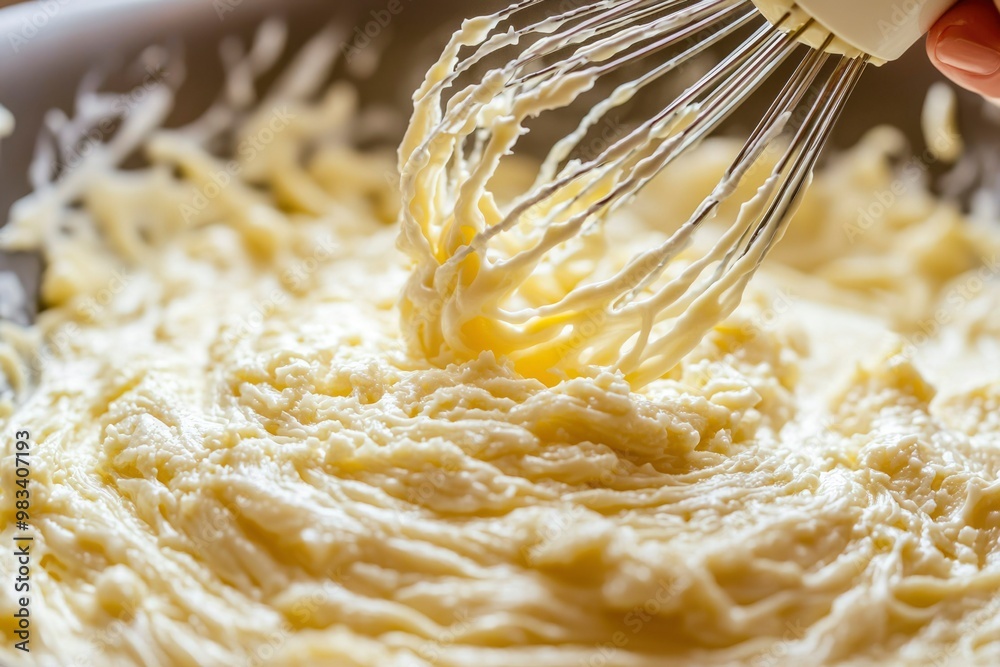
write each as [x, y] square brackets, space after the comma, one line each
[965, 45]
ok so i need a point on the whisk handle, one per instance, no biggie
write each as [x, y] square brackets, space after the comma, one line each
[882, 28]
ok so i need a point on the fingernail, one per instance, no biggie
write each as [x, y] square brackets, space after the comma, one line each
[955, 50]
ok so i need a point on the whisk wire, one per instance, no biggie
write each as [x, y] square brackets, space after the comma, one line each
[632, 145]
[788, 99]
[761, 54]
[650, 320]
[627, 147]
[624, 93]
[675, 27]
[845, 79]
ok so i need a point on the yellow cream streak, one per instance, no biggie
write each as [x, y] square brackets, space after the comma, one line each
[551, 280]
[238, 461]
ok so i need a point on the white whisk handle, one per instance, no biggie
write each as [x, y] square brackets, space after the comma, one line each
[882, 28]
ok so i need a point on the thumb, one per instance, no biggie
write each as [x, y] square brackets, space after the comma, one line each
[965, 45]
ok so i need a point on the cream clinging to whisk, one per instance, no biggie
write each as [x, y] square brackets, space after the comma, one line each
[883, 29]
[542, 278]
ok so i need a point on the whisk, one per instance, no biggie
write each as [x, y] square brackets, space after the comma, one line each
[530, 278]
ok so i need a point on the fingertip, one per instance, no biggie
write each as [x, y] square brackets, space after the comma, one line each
[965, 45]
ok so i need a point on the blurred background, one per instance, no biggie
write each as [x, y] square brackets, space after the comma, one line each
[42, 67]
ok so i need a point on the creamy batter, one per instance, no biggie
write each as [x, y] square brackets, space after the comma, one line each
[239, 460]
[557, 281]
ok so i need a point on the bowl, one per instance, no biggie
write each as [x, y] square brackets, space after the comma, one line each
[49, 47]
